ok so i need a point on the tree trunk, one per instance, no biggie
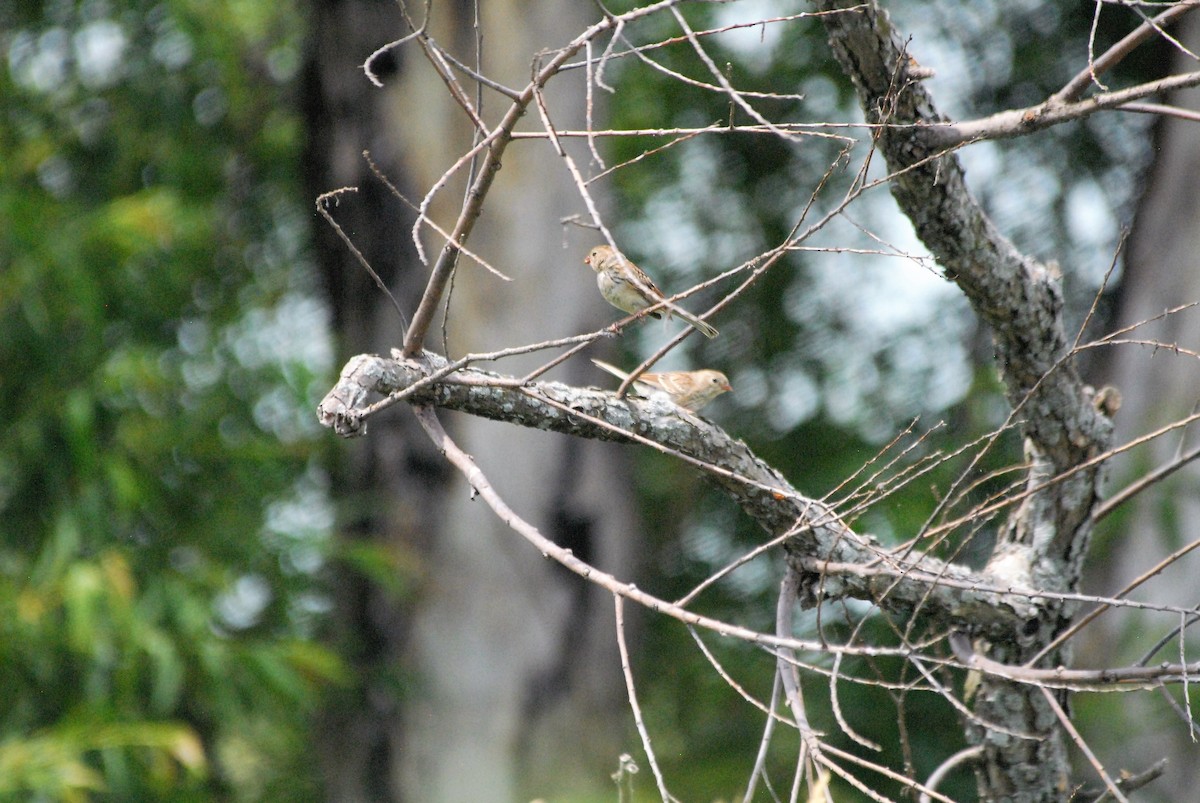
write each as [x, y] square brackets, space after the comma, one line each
[1043, 541]
[497, 676]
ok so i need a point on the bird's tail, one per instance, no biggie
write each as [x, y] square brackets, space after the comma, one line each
[699, 325]
[612, 369]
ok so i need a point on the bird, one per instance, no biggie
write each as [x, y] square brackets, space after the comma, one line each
[690, 390]
[628, 288]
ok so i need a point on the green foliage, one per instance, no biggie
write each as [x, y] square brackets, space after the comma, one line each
[48, 763]
[160, 526]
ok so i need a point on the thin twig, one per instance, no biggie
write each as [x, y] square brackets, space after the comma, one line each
[566, 558]
[619, 603]
[387, 182]
[1161, 110]
[792, 691]
[733, 684]
[1091, 615]
[760, 759]
[1075, 88]
[836, 704]
[1131, 490]
[417, 31]
[323, 209]
[948, 766]
[1069, 727]
[1131, 783]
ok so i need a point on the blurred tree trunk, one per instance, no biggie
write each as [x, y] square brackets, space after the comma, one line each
[1157, 388]
[495, 676]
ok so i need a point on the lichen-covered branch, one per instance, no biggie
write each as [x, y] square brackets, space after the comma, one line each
[1017, 296]
[1045, 538]
[1014, 293]
[832, 560]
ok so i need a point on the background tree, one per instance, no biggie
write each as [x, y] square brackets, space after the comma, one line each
[472, 683]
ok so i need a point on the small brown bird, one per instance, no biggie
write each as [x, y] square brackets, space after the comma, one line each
[690, 390]
[627, 287]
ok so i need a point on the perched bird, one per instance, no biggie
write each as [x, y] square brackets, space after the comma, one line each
[625, 286]
[690, 390]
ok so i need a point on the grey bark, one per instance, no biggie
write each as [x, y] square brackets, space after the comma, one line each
[826, 553]
[1020, 300]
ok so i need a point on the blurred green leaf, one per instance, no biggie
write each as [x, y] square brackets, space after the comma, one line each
[52, 762]
[151, 248]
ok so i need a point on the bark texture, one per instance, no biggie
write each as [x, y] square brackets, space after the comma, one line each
[833, 560]
[1045, 539]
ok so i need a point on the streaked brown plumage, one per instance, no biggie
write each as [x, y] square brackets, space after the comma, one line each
[628, 288]
[690, 390]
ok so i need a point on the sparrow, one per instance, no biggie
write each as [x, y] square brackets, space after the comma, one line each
[625, 286]
[690, 390]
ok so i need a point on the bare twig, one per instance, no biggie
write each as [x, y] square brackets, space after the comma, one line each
[810, 745]
[1091, 615]
[733, 684]
[1019, 122]
[1069, 727]
[1132, 783]
[565, 557]
[1142, 483]
[946, 767]
[323, 201]
[422, 217]
[760, 759]
[1075, 88]
[367, 66]
[619, 603]
[1107, 679]
[1161, 110]
[836, 704]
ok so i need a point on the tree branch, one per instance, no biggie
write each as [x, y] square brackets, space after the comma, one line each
[831, 559]
[1044, 540]
[1018, 122]
[1018, 297]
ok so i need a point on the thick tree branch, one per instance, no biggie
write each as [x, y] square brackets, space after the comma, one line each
[1044, 540]
[1018, 122]
[1018, 297]
[831, 559]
